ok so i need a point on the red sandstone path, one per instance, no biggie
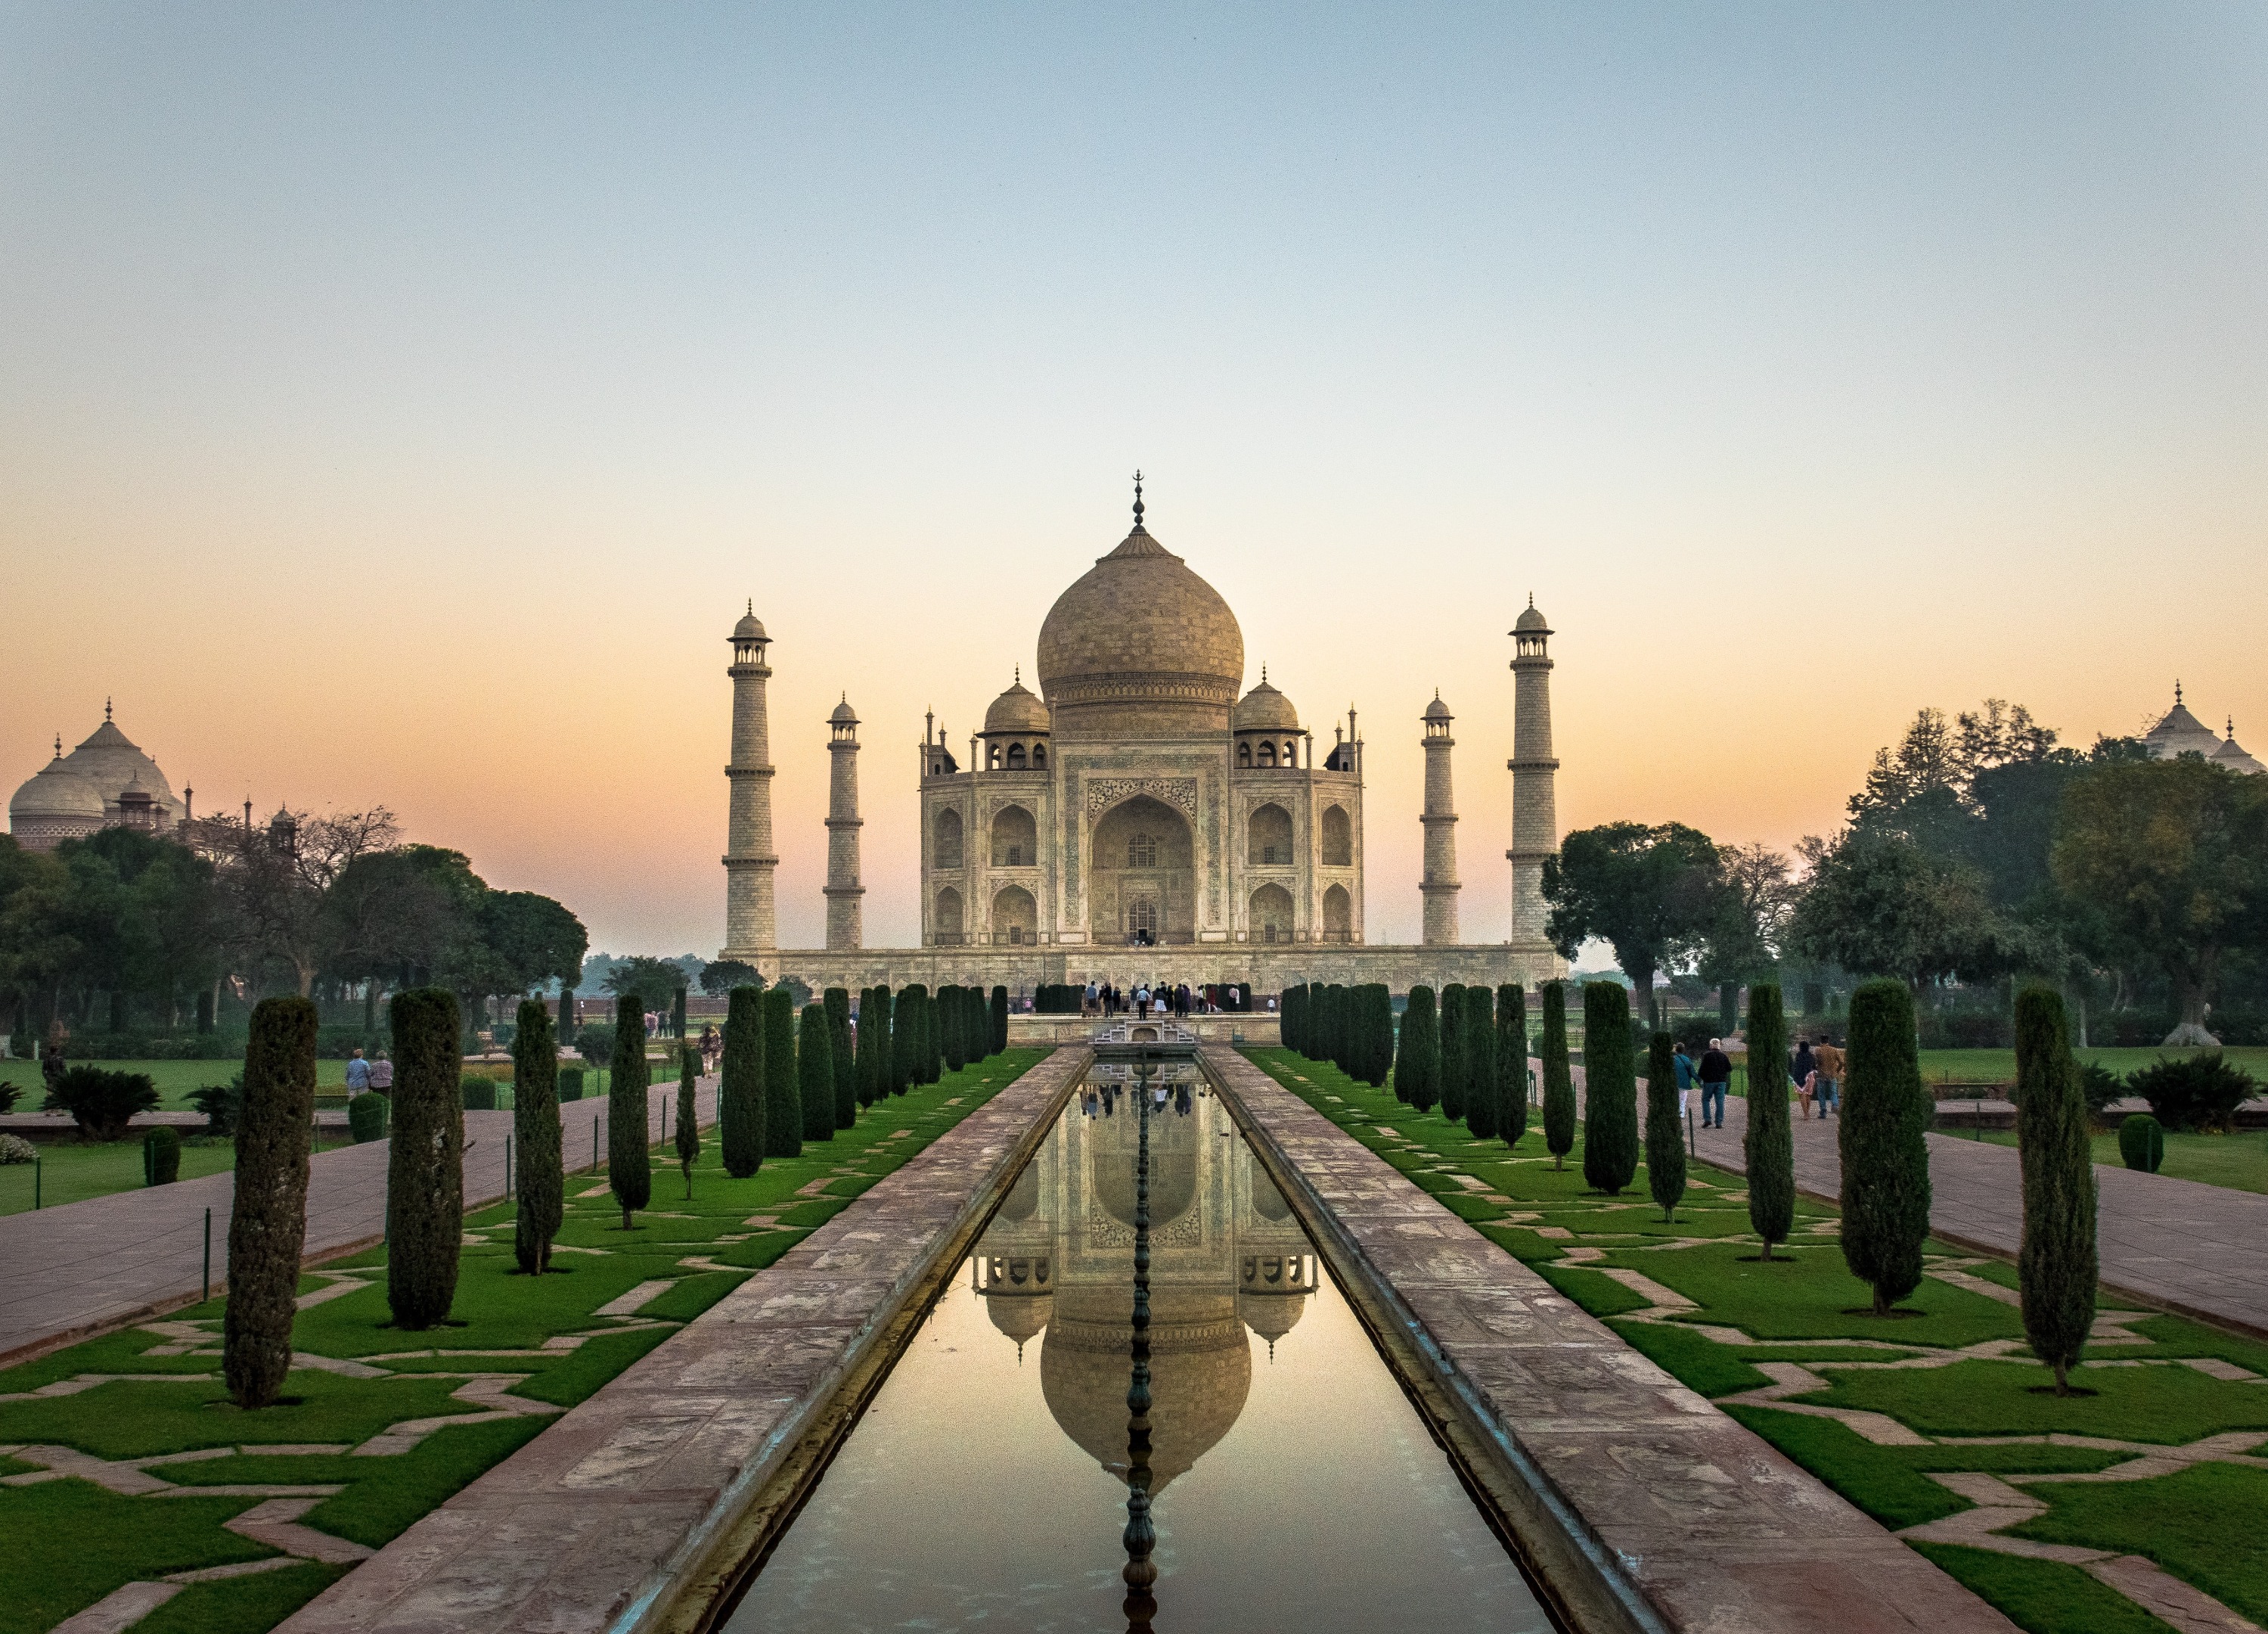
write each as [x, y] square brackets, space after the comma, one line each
[86, 1267]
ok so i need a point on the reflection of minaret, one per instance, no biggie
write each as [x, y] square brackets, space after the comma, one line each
[1535, 810]
[751, 928]
[1439, 884]
[844, 915]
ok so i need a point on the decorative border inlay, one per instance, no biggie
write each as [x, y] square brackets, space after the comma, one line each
[1180, 793]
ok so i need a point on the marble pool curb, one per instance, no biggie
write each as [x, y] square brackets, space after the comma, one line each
[630, 1513]
[1639, 1505]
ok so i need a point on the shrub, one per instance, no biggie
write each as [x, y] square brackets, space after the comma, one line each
[2142, 1142]
[267, 1221]
[425, 1165]
[222, 1104]
[2194, 1093]
[1664, 1141]
[102, 1102]
[1511, 1063]
[740, 1116]
[2056, 1265]
[1417, 1074]
[846, 1067]
[1885, 1112]
[1558, 1079]
[570, 1084]
[539, 1183]
[1481, 1114]
[1610, 1087]
[15, 1149]
[366, 1118]
[814, 1064]
[2100, 1086]
[1454, 1040]
[630, 1164]
[1769, 1145]
[595, 1043]
[783, 1104]
[476, 1092]
[161, 1157]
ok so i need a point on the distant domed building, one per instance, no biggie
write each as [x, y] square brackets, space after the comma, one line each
[105, 782]
[2178, 732]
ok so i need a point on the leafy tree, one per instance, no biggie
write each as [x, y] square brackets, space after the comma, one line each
[630, 1166]
[273, 882]
[1654, 893]
[742, 1118]
[1417, 1075]
[1751, 906]
[689, 1114]
[1880, 905]
[1483, 1116]
[814, 1057]
[424, 1160]
[653, 982]
[720, 977]
[1511, 1063]
[838, 1046]
[1559, 1078]
[1769, 1145]
[1454, 1039]
[1665, 1141]
[1885, 1112]
[1610, 1089]
[541, 1177]
[268, 1224]
[782, 1102]
[2056, 1266]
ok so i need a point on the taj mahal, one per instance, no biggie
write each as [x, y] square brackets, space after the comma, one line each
[1138, 814]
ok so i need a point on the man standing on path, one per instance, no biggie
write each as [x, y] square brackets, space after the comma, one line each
[1800, 1069]
[1826, 1060]
[357, 1074]
[1716, 1074]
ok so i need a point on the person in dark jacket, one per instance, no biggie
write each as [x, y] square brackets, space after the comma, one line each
[1802, 1067]
[1716, 1074]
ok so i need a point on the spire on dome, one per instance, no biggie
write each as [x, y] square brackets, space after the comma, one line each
[1137, 500]
[59, 745]
[2177, 689]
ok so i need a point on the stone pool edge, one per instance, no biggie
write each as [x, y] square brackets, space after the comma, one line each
[628, 1515]
[1638, 1505]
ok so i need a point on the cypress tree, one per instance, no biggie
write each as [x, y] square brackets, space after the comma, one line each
[1480, 1063]
[1665, 1141]
[1455, 1039]
[425, 1161]
[1610, 1087]
[742, 1119]
[630, 1166]
[268, 1226]
[933, 1043]
[838, 1048]
[1287, 1018]
[689, 1114]
[1885, 1112]
[1382, 1033]
[563, 1034]
[539, 1175]
[908, 1061]
[1511, 1063]
[1558, 1081]
[1769, 1145]
[1417, 1074]
[886, 1012]
[782, 1102]
[948, 1007]
[1334, 1021]
[999, 1019]
[677, 1014]
[2056, 1266]
[814, 1059]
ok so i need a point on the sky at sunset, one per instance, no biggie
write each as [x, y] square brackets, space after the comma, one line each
[399, 404]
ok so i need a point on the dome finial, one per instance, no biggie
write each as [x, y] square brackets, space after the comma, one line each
[2177, 689]
[1263, 672]
[59, 745]
[1019, 675]
[1137, 498]
[105, 709]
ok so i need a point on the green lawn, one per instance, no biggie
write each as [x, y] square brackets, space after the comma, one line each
[1958, 1374]
[175, 1080]
[1999, 1066]
[70, 1173]
[72, 1542]
[2239, 1160]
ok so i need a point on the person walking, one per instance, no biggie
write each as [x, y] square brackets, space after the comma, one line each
[1828, 1062]
[357, 1074]
[1716, 1076]
[1802, 1068]
[381, 1075]
[1683, 1063]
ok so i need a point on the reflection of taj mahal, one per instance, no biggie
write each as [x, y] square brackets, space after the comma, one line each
[1226, 1259]
[1135, 813]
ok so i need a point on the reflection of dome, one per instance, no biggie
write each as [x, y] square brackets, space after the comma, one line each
[1271, 1315]
[1140, 644]
[1173, 1165]
[1019, 709]
[1200, 1372]
[1267, 1201]
[1264, 709]
[1022, 1317]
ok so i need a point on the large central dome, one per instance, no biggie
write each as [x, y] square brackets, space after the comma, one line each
[1140, 647]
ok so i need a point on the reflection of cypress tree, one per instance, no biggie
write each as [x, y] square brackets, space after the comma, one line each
[1511, 1063]
[1558, 1081]
[1886, 1113]
[1454, 1039]
[424, 1160]
[1609, 1088]
[268, 1227]
[2056, 1268]
[740, 1114]
[1665, 1141]
[783, 1104]
[908, 1059]
[815, 1062]
[1769, 1145]
[1480, 1063]
[838, 1049]
[540, 1200]
[630, 1167]
[1416, 1073]
[688, 1113]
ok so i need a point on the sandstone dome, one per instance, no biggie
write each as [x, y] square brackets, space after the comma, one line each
[1140, 647]
[1264, 709]
[1016, 710]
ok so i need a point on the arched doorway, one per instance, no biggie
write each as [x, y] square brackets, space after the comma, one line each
[1015, 838]
[1015, 917]
[1338, 838]
[1338, 914]
[1269, 839]
[1272, 914]
[948, 917]
[1142, 875]
[947, 850]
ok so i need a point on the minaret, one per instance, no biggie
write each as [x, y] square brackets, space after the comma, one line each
[751, 923]
[1439, 884]
[846, 927]
[1535, 812]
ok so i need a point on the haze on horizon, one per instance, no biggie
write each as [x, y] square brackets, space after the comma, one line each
[399, 404]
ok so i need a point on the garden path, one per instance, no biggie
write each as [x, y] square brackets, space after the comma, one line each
[73, 1271]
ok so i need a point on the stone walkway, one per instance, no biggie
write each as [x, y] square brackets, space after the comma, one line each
[2196, 1249]
[70, 1272]
[601, 1521]
[1695, 1517]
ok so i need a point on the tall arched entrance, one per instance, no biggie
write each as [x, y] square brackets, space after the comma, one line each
[1142, 876]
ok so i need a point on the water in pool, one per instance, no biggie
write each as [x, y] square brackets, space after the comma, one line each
[1294, 1486]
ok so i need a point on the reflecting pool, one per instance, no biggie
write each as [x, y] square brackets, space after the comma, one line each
[1293, 1485]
